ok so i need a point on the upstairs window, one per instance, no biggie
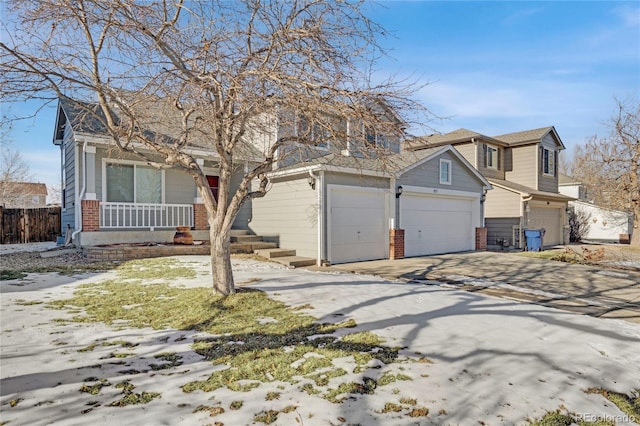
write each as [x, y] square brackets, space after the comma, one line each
[491, 157]
[313, 133]
[445, 172]
[548, 162]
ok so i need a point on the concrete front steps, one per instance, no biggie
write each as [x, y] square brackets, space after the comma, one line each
[243, 242]
[286, 257]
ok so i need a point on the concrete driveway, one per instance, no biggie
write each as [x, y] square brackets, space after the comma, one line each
[590, 290]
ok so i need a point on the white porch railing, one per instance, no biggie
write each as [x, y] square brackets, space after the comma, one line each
[132, 215]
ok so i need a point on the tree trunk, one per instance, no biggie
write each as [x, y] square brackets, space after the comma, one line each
[221, 262]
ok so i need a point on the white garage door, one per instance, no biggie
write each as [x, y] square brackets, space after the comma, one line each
[358, 224]
[550, 220]
[436, 224]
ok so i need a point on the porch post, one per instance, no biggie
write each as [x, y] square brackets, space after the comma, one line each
[90, 215]
[199, 217]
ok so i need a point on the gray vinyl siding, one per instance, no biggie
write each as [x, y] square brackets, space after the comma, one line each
[428, 175]
[356, 180]
[500, 228]
[522, 165]
[288, 215]
[68, 215]
[502, 203]
[545, 182]
[179, 187]
[497, 173]
[244, 216]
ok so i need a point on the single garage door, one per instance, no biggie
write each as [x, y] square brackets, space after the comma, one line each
[436, 224]
[358, 224]
[550, 220]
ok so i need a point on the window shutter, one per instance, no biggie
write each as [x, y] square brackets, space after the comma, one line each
[484, 155]
[541, 168]
[499, 158]
[555, 163]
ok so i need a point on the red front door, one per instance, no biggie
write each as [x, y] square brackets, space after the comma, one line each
[213, 185]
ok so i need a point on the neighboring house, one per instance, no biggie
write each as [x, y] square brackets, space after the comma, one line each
[340, 208]
[111, 197]
[522, 167]
[603, 224]
[23, 195]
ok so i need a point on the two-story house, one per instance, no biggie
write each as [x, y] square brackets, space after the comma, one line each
[23, 195]
[522, 167]
[347, 194]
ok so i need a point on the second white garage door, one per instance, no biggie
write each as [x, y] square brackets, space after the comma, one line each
[358, 224]
[549, 219]
[436, 224]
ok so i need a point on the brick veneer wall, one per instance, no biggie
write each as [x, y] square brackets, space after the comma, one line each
[128, 252]
[481, 239]
[396, 243]
[90, 215]
[199, 217]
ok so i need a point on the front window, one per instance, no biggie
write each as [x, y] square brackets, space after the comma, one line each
[491, 157]
[548, 162]
[133, 183]
[445, 172]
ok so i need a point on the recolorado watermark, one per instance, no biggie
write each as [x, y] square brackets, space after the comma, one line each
[618, 418]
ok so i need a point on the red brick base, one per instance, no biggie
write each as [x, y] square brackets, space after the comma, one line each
[90, 215]
[396, 243]
[481, 239]
[200, 217]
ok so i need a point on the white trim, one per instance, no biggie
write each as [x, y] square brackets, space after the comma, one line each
[440, 191]
[449, 172]
[327, 168]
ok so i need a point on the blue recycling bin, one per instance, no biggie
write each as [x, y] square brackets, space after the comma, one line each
[534, 239]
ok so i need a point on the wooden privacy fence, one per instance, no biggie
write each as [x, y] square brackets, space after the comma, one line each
[29, 225]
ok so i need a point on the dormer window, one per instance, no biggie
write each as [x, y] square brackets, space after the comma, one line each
[548, 162]
[491, 157]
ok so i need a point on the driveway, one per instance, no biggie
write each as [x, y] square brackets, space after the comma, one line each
[585, 289]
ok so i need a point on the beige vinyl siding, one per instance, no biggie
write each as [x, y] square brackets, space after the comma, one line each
[546, 182]
[428, 175]
[522, 165]
[468, 151]
[502, 203]
[288, 215]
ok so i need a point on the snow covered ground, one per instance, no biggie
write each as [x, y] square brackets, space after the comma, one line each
[493, 360]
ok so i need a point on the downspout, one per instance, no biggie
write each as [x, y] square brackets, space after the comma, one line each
[320, 194]
[82, 191]
[523, 209]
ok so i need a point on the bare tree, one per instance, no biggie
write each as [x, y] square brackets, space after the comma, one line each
[14, 170]
[223, 68]
[579, 224]
[610, 165]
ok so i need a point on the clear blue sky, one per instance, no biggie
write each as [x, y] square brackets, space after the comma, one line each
[493, 67]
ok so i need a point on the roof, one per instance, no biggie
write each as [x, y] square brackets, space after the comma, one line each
[451, 138]
[527, 191]
[529, 136]
[464, 135]
[391, 165]
[23, 188]
[156, 117]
